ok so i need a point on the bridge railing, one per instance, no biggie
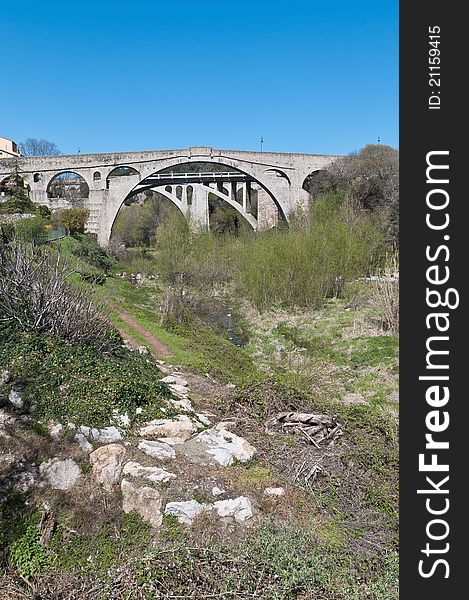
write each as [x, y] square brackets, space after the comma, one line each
[216, 175]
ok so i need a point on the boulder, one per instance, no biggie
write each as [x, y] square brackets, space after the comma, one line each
[107, 463]
[238, 508]
[217, 446]
[173, 431]
[183, 404]
[84, 444]
[15, 398]
[174, 380]
[157, 449]
[186, 512]
[5, 377]
[180, 391]
[153, 474]
[56, 431]
[60, 474]
[146, 501]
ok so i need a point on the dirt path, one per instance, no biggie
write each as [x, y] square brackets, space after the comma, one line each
[157, 347]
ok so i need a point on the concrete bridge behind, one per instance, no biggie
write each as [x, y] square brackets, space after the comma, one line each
[261, 186]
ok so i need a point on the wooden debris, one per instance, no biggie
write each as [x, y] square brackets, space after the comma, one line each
[46, 527]
[317, 429]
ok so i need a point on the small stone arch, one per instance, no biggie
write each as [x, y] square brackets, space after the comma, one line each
[121, 171]
[69, 186]
[189, 194]
[97, 176]
[278, 173]
[37, 177]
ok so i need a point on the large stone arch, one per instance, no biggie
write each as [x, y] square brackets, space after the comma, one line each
[117, 195]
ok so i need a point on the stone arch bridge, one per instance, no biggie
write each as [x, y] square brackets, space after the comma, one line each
[261, 186]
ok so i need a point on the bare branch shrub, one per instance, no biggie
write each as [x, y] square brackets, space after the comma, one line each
[36, 296]
[386, 293]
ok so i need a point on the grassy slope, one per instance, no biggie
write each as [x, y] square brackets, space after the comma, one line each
[338, 542]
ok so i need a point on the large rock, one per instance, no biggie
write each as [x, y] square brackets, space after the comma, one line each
[217, 446]
[157, 449]
[154, 474]
[84, 444]
[56, 430]
[181, 391]
[107, 462]
[172, 431]
[106, 435]
[185, 512]
[5, 377]
[15, 398]
[146, 501]
[174, 380]
[183, 404]
[60, 474]
[238, 508]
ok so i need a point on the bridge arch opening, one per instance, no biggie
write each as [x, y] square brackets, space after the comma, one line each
[120, 171]
[317, 183]
[68, 186]
[211, 194]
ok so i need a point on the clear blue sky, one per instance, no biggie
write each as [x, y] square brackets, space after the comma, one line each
[310, 76]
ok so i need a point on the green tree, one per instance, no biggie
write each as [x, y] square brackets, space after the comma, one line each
[74, 219]
[30, 229]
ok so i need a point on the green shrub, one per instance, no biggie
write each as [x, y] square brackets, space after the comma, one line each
[312, 259]
[30, 229]
[85, 247]
[26, 554]
[77, 382]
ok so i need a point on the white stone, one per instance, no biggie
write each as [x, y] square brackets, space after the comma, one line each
[204, 419]
[121, 420]
[157, 449]
[15, 398]
[224, 446]
[154, 474]
[274, 491]
[142, 349]
[107, 462]
[5, 377]
[84, 444]
[60, 474]
[146, 501]
[174, 380]
[56, 431]
[187, 511]
[216, 491]
[174, 431]
[239, 508]
[180, 391]
[183, 404]
[106, 435]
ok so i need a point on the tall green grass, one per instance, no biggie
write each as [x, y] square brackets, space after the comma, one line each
[331, 242]
[334, 242]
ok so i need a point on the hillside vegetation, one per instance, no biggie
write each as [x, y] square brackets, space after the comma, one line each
[314, 310]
